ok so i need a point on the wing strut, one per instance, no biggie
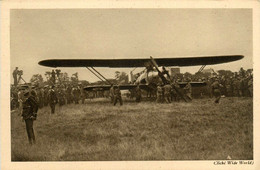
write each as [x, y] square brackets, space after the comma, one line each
[95, 74]
[101, 75]
[94, 71]
[164, 79]
[201, 68]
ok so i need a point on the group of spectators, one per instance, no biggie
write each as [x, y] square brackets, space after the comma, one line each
[234, 84]
[237, 84]
[27, 99]
[50, 94]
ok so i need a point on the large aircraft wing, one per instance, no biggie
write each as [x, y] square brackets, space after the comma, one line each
[187, 61]
[142, 86]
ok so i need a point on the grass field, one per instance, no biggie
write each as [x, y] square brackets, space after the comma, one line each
[98, 131]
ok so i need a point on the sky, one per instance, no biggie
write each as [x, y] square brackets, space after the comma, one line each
[39, 34]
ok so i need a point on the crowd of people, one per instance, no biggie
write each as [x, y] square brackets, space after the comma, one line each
[233, 84]
[224, 84]
[50, 94]
[238, 84]
[28, 98]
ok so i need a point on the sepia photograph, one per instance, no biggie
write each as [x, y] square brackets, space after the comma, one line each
[131, 84]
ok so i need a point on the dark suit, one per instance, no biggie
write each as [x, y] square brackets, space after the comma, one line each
[30, 108]
[52, 100]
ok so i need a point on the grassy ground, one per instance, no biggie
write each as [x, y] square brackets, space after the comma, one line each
[200, 130]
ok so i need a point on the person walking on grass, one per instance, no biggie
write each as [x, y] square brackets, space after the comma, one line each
[216, 90]
[112, 93]
[138, 94]
[167, 92]
[29, 114]
[52, 99]
[159, 93]
[188, 89]
[117, 96]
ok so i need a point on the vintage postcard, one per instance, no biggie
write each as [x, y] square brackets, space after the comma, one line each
[129, 85]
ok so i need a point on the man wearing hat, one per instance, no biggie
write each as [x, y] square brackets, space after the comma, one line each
[52, 99]
[111, 93]
[174, 91]
[188, 89]
[167, 92]
[216, 90]
[159, 93]
[118, 96]
[29, 114]
[15, 73]
[138, 93]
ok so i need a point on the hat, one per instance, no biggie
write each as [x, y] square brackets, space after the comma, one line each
[33, 93]
[23, 87]
[26, 92]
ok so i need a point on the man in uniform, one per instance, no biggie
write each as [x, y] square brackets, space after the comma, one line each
[76, 94]
[29, 114]
[15, 73]
[159, 94]
[174, 94]
[167, 93]
[82, 94]
[223, 81]
[188, 90]
[52, 99]
[61, 96]
[117, 96]
[216, 90]
[229, 87]
[53, 77]
[138, 93]
[111, 93]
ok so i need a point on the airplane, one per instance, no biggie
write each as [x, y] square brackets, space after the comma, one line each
[150, 65]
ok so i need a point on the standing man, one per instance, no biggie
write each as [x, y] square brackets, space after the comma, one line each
[52, 99]
[29, 114]
[216, 90]
[82, 94]
[15, 73]
[167, 92]
[229, 87]
[60, 96]
[111, 93]
[53, 78]
[76, 94]
[174, 91]
[138, 94]
[159, 94]
[118, 96]
[188, 90]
